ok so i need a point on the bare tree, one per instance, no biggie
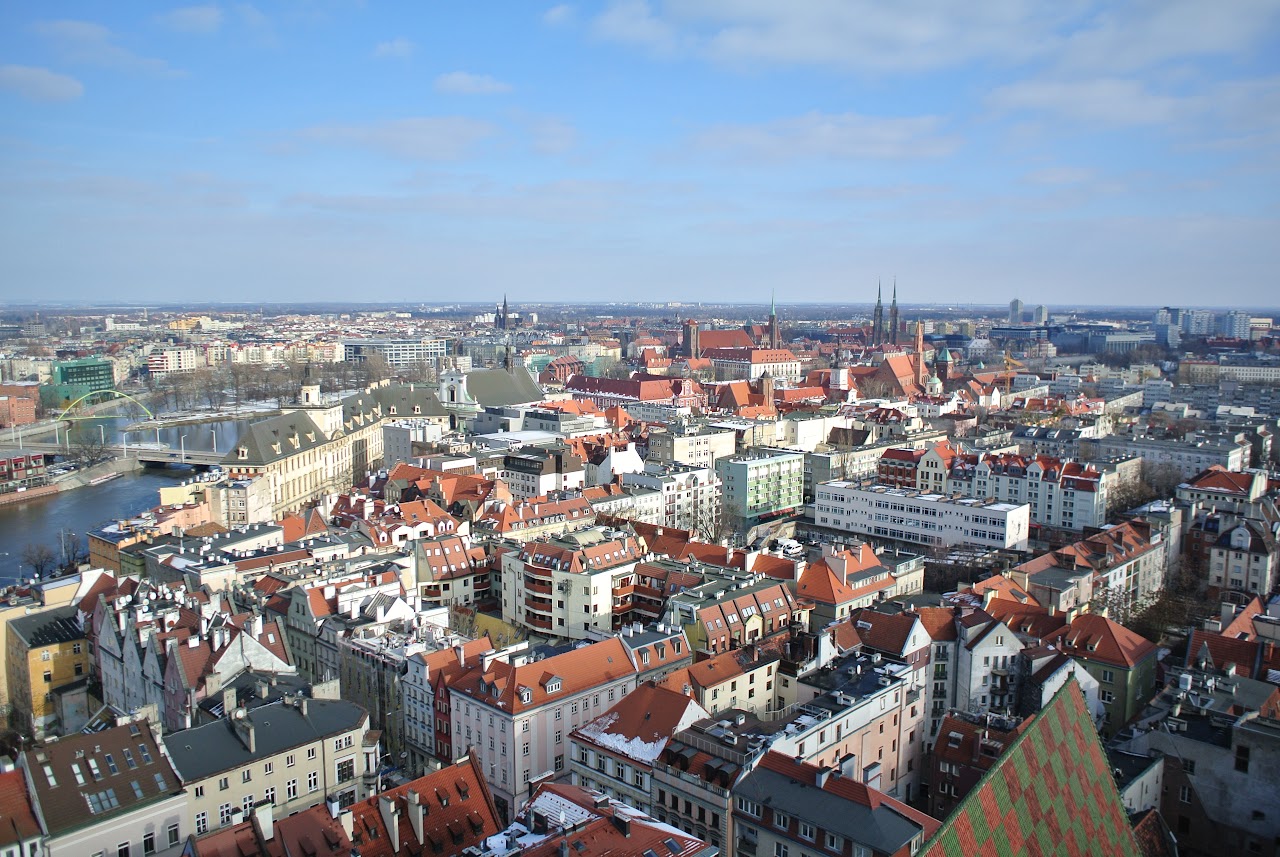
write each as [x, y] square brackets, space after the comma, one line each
[211, 386]
[40, 557]
[87, 445]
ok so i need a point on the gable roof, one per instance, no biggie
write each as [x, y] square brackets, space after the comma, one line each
[566, 674]
[18, 822]
[1096, 638]
[272, 439]
[642, 722]
[1052, 792]
[498, 387]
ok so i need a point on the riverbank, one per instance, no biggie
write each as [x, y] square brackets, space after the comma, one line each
[200, 417]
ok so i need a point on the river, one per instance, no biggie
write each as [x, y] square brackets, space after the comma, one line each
[42, 520]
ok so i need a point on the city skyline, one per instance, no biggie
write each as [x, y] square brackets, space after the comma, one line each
[677, 151]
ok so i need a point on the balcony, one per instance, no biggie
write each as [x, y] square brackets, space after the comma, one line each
[532, 585]
[542, 605]
[746, 846]
[535, 621]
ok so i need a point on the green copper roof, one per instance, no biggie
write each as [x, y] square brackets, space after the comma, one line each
[1051, 793]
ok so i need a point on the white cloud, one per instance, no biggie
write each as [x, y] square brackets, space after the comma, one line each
[39, 84]
[399, 48]
[1108, 101]
[429, 138]
[464, 83]
[838, 136]
[93, 44]
[1148, 34]
[633, 22]
[201, 20]
[557, 15]
[551, 135]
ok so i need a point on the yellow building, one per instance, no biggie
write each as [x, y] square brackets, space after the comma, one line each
[42, 596]
[46, 651]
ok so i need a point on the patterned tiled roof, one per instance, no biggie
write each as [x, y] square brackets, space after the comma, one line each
[1051, 793]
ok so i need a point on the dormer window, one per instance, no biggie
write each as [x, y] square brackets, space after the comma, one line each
[553, 685]
[242, 453]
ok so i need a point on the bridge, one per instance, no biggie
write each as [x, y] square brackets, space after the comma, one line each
[143, 453]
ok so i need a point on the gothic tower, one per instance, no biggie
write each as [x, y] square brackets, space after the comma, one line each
[877, 320]
[893, 315]
[775, 337]
[919, 346]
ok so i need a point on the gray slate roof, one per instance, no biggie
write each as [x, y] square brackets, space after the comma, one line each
[202, 751]
[58, 625]
[270, 440]
[498, 387]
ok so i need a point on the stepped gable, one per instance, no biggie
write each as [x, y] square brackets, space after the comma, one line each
[1051, 793]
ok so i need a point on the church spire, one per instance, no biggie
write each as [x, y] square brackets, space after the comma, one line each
[877, 318]
[893, 314]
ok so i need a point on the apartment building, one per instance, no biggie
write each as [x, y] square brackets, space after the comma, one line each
[731, 609]
[691, 495]
[517, 714]
[761, 486]
[1187, 459]
[685, 443]
[1245, 558]
[785, 804]
[571, 585]
[1126, 565]
[921, 518]
[45, 651]
[533, 471]
[425, 697]
[294, 753]
[110, 792]
[615, 752]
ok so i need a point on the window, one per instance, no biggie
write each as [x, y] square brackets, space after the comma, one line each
[146, 754]
[560, 762]
[289, 761]
[291, 789]
[313, 781]
[311, 753]
[269, 795]
[173, 835]
[780, 850]
[1108, 676]
[1189, 766]
[268, 768]
[148, 843]
[76, 649]
[224, 784]
[346, 770]
[128, 758]
[1184, 794]
[833, 842]
[224, 815]
[48, 677]
[246, 805]
[1106, 696]
[246, 775]
[1242, 758]
[202, 823]
[781, 820]
[749, 807]
[199, 791]
[807, 831]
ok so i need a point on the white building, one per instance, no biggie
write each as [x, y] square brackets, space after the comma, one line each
[565, 586]
[399, 436]
[399, 353]
[690, 495]
[761, 485]
[171, 361]
[517, 716]
[928, 519]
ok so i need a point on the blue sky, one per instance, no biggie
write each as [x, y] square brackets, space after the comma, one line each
[1067, 153]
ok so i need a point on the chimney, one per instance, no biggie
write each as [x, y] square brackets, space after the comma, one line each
[623, 823]
[820, 778]
[345, 818]
[228, 700]
[250, 740]
[390, 812]
[264, 820]
[302, 705]
[331, 804]
[417, 813]
[462, 658]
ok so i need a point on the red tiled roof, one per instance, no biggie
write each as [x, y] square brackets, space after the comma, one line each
[578, 670]
[1097, 638]
[17, 821]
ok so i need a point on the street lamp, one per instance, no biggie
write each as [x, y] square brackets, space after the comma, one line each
[214, 430]
[182, 443]
[102, 431]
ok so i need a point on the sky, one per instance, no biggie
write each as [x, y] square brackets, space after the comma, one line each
[1065, 153]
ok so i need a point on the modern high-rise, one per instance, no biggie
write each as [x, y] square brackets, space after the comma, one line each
[1015, 311]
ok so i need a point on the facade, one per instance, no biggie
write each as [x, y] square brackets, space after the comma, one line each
[700, 446]
[751, 364]
[425, 694]
[571, 585]
[111, 792]
[46, 650]
[1186, 459]
[71, 379]
[1245, 558]
[761, 486]
[967, 747]
[294, 753]
[399, 353]
[732, 609]
[174, 361]
[1123, 663]
[690, 495]
[537, 472]
[517, 716]
[785, 805]
[20, 470]
[615, 752]
[928, 519]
